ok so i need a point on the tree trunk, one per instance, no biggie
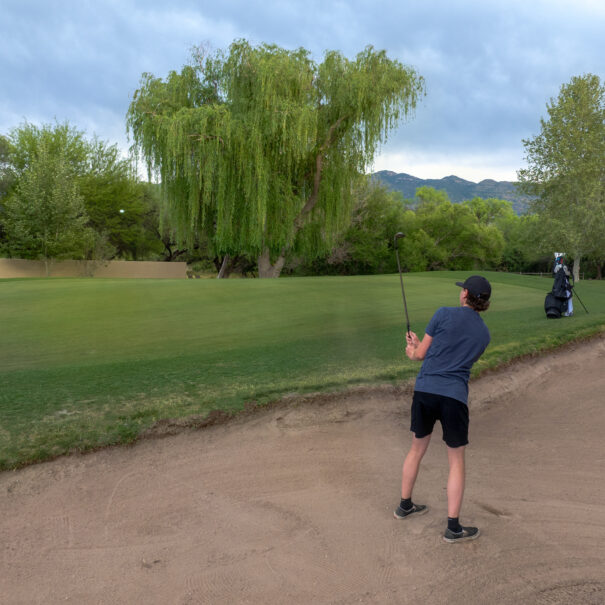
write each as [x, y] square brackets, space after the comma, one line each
[225, 269]
[576, 268]
[266, 269]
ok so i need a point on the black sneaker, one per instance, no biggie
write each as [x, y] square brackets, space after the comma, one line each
[467, 533]
[418, 509]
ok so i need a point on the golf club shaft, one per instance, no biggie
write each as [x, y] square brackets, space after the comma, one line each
[405, 304]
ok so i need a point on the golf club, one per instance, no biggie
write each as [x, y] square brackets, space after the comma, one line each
[405, 305]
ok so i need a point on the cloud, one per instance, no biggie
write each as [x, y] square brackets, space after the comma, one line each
[490, 67]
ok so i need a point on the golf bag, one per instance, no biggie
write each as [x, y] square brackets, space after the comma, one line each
[558, 300]
[554, 307]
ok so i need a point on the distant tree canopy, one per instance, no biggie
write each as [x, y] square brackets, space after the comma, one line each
[45, 218]
[566, 171]
[257, 148]
[6, 176]
[452, 235]
[476, 234]
[122, 212]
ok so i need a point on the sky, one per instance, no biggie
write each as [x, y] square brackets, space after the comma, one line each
[490, 66]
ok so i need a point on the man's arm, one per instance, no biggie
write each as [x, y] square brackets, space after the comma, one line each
[416, 350]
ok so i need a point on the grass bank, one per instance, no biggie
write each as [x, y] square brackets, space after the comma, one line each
[86, 363]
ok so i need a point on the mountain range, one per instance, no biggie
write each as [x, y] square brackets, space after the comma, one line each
[456, 188]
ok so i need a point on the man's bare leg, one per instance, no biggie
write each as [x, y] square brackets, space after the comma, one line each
[455, 491]
[411, 464]
[455, 480]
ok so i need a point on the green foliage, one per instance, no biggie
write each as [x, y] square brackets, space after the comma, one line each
[45, 217]
[257, 148]
[566, 170]
[520, 251]
[7, 178]
[123, 212]
[120, 207]
[439, 234]
[450, 236]
[491, 211]
[58, 139]
[367, 245]
[108, 358]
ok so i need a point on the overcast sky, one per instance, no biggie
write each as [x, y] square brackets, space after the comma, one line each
[490, 66]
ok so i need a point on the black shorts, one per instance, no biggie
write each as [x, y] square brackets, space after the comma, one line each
[427, 408]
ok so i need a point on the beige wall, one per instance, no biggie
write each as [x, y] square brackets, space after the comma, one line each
[15, 267]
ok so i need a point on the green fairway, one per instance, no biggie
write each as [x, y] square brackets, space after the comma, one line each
[87, 362]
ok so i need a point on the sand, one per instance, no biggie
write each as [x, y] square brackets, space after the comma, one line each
[294, 504]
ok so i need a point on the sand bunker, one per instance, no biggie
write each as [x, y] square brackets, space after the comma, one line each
[294, 505]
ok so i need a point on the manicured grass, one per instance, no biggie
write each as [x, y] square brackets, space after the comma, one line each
[86, 363]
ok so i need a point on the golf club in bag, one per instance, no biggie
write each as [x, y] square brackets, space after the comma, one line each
[397, 237]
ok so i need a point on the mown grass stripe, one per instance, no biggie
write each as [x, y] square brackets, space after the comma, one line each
[86, 362]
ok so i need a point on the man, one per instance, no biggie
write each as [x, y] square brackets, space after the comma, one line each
[454, 339]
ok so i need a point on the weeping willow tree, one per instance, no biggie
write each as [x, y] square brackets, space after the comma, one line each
[257, 148]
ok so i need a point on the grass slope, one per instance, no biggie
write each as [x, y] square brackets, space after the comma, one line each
[86, 363]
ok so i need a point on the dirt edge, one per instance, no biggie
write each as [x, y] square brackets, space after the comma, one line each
[168, 427]
[519, 365]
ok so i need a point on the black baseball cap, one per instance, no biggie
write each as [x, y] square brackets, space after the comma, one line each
[478, 286]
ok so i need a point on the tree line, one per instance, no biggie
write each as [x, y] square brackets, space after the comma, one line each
[440, 235]
[255, 159]
[65, 196]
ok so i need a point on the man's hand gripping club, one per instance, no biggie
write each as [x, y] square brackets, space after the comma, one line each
[415, 348]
